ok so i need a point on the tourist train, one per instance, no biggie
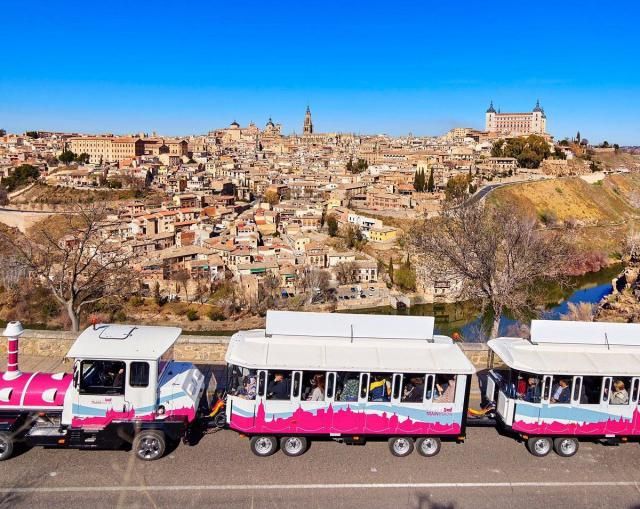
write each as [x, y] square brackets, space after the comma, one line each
[312, 376]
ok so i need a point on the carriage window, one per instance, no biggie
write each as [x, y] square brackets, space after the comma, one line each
[242, 382]
[620, 391]
[529, 387]
[445, 389]
[139, 374]
[380, 387]
[606, 382]
[429, 387]
[636, 388]
[347, 386]
[397, 381]
[591, 388]
[412, 388]
[364, 385]
[576, 388]
[296, 385]
[331, 384]
[313, 385]
[279, 386]
[561, 389]
[262, 383]
[102, 377]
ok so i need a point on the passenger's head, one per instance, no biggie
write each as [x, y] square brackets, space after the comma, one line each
[564, 382]
[278, 377]
[618, 385]
[532, 380]
[319, 381]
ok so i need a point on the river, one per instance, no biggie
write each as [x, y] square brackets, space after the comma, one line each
[467, 319]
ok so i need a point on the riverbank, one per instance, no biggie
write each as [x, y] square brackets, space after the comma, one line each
[623, 304]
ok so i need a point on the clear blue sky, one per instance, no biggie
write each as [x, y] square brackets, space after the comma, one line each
[369, 67]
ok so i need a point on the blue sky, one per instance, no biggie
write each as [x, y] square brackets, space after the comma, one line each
[366, 67]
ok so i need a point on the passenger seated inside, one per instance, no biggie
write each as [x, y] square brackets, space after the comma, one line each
[413, 391]
[279, 387]
[118, 380]
[521, 386]
[317, 393]
[619, 395]
[379, 389]
[350, 387]
[532, 394]
[561, 393]
[445, 392]
[249, 385]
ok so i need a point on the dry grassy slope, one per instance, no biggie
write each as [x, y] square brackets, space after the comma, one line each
[611, 201]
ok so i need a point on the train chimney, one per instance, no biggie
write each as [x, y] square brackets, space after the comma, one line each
[12, 332]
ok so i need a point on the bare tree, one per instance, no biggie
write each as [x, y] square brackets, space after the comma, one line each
[79, 259]
[496, 254]
[346, 272]
[315, 284]
[182, 277]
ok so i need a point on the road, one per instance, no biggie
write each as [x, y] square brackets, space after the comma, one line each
[487, 471]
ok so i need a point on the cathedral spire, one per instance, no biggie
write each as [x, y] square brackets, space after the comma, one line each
[307, 127]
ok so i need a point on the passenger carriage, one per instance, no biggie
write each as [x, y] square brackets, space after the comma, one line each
[347, 377]
[125, 388]
[570, 381]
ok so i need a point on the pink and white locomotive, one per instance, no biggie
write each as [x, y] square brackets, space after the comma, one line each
[125, 388]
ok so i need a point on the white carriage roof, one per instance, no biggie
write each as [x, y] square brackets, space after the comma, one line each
[326, 347]
[568, 358]
[124, 342]
[344, 325]
[585, 333]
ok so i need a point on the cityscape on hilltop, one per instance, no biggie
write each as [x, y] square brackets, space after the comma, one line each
[357, 255]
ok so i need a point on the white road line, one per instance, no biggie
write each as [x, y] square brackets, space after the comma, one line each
[340, 486]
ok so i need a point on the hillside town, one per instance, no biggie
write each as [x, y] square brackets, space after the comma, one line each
[320, 217]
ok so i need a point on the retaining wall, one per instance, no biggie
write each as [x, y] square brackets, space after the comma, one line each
[205, 349]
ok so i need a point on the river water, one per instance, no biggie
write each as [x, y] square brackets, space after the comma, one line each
[467, 319]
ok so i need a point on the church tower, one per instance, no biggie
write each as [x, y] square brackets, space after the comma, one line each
[308, 125]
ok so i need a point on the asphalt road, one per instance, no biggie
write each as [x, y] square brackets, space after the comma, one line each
[486, 471]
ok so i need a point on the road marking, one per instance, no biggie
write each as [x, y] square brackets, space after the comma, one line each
[338, 486]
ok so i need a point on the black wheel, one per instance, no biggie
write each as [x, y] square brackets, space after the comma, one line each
[149, 445]
[401, 446]
[293, 446]
[565, 447]
[6, 446]
[220, 420]
[539, 446]
[428, 446]
[263, 446]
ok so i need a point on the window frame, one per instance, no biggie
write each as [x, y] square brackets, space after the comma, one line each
[113, 392]
[147, 375]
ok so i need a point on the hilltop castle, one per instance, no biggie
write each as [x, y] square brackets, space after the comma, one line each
[516, 124]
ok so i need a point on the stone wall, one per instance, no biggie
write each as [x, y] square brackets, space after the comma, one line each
[204, 349]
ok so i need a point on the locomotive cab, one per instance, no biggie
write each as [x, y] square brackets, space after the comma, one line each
[125, 388]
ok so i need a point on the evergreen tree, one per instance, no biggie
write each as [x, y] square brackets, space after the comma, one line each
[390, 271]
[416, 181]
[407, 262]
[423, 182]
[431, 187]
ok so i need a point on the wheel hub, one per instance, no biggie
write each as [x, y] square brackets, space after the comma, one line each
[401, 446]
[428, 446]
[263, 445]
[149, 447]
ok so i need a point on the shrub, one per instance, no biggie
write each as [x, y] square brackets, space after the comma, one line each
[216, 314]
[192, 315]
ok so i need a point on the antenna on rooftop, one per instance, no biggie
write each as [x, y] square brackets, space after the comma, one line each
[606, 340]
[352, 333]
